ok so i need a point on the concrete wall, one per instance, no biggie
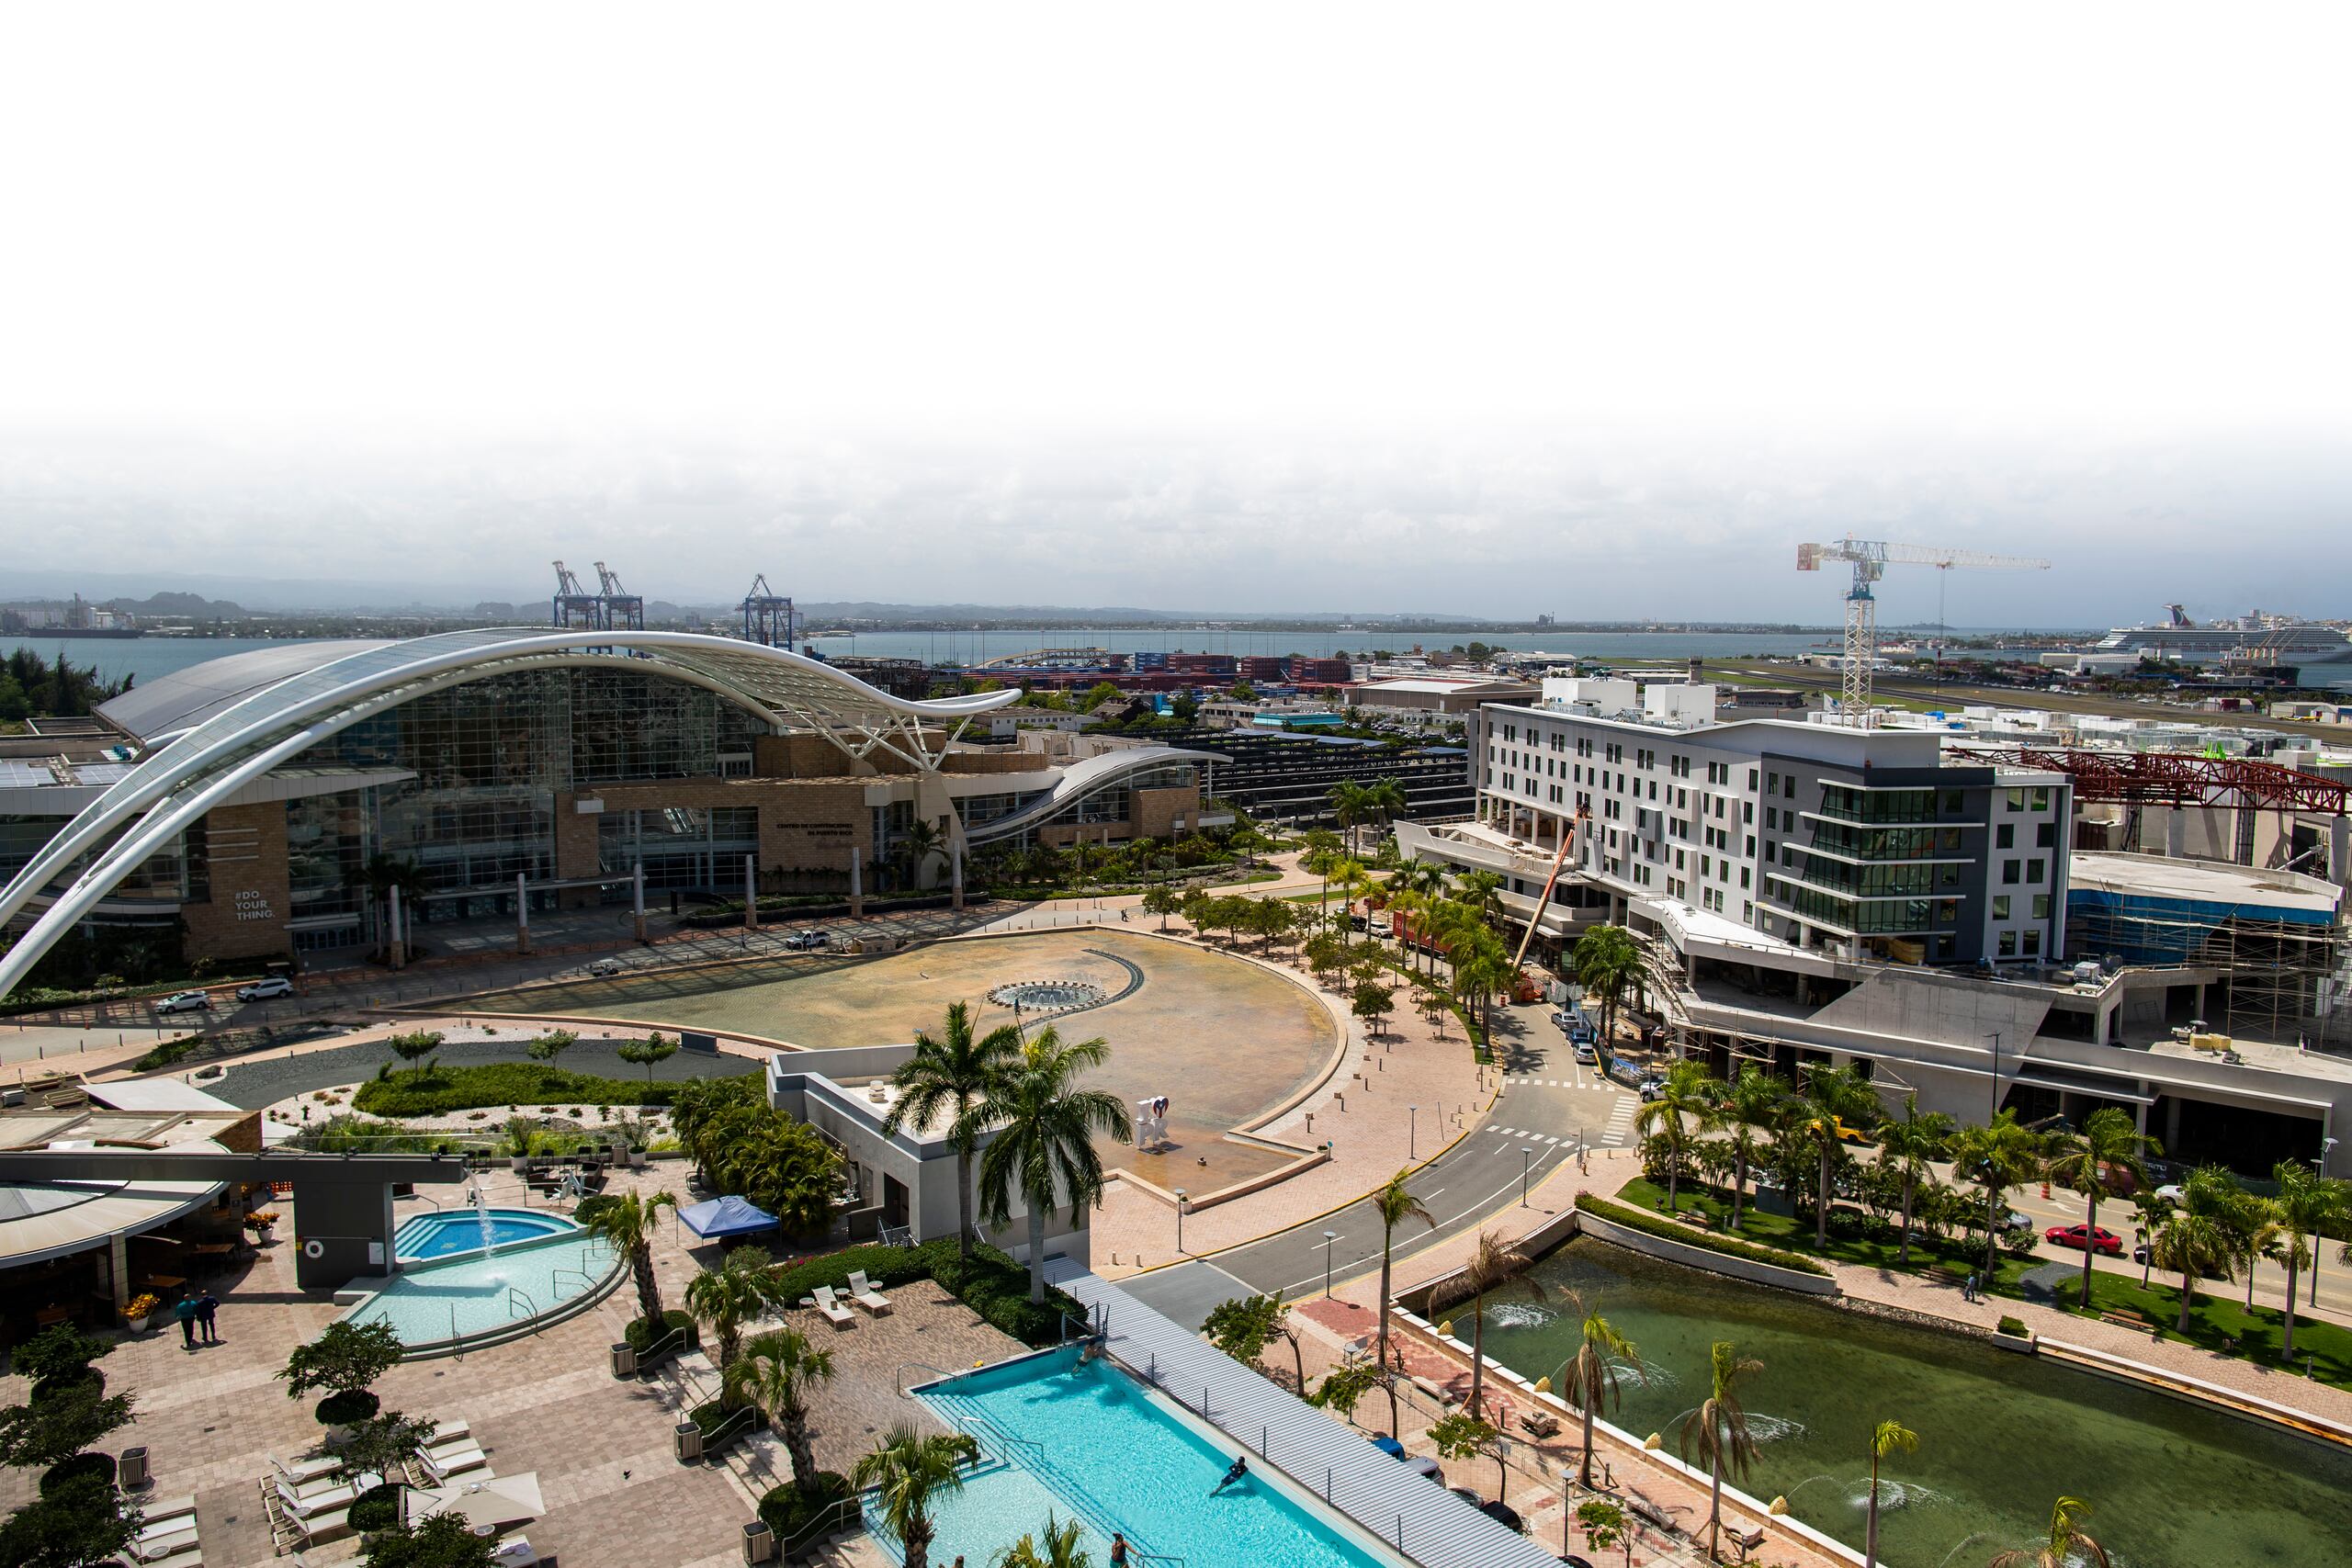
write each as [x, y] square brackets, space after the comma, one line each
[245, 915]
[349, 1224]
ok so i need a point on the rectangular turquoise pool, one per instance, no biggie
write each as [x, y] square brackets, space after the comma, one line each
[1092, 1441]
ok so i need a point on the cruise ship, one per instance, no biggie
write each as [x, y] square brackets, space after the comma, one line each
[2251, 639]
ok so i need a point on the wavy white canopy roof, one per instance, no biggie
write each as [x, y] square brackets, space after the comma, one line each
[229, 739]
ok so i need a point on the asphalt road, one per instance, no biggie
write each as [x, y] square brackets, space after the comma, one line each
[1548, 1104]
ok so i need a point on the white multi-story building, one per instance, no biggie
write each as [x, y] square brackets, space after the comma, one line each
[1856, 841]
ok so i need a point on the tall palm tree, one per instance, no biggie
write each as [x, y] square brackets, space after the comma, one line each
[918, 842]
[1591, 1376]
[1059, 1548]
[2069, 1545]
[2193, 1240]
[1606, 960]
[1686, 1099]
[1385, 801]
[1717, 1432]
[2305, 1201]
[1046, 1127]
[1396, 1204]
[1752, 1101]
[1909, 1145]
[949, 1076]
[1480, 974]
[2109, 1145]
[732, 1294]
[1996, 1157]
[776, 1372]
[909, 1469]
[1350, 806]
[1494, 1265]
[1832, 1096]
[629, 1224]
[1886, 1437]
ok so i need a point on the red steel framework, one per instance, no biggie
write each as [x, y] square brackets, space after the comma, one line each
[2174, 778]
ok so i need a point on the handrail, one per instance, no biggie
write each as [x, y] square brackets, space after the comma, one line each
[786, 1549]
[587, 1281]
[530, 1308]
[655, 1347]
[718, 1433]
[898, 1376]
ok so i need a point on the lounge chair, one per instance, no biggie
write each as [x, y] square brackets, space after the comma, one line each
[304, 1470]
[861, 1291]
[835, 1314]
[333, 1525]
[443, 1463]
[446, 1432]
[309, 1505]
[188, 1556]
[164, 1509]
[156, 1548]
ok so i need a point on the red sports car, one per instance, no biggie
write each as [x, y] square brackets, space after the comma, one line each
[2097, 1238]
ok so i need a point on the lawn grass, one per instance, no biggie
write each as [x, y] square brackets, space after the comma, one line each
[2217, 1319]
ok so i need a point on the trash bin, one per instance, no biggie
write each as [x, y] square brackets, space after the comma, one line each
[623, 1360]
[131, 1469]
[689, 1440]
[759, 1542]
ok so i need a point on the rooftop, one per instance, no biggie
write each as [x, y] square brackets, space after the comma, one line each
[2203, 882]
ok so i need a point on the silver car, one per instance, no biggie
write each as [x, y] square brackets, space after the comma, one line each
[184, 1001]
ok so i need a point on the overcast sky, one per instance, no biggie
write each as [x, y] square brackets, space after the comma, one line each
[1594, 311]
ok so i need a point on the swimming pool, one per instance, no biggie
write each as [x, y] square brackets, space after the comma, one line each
[453, 1231]
[479, 1297]
[1088, 1440]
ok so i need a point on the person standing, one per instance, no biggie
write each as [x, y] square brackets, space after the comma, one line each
[184, 1310]
[206, 1307]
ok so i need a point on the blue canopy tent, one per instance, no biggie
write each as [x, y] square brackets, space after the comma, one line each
[719, 1218]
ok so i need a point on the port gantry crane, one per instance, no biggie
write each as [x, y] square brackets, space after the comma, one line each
[624, 611]
[1870, 559]
[574, 608]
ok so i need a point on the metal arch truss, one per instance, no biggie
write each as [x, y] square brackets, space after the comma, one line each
[1081, 780]
[2174, 778]
[207, 764]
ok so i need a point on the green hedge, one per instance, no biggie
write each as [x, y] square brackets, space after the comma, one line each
[444, 1089]
[378, 1508]
[1650, 1224]
[788, 1510]
[2012, 1327]
[639, 1337]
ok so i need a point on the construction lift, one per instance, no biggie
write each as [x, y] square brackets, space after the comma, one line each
[1870, 559]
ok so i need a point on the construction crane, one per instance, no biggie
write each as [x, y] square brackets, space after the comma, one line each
[1870, 559]
[767, 615]
[574, 608]
[624, 611]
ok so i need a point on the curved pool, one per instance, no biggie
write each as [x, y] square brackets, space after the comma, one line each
[454, 1231]
[466, 1296]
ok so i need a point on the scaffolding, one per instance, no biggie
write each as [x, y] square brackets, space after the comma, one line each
[2277, 980]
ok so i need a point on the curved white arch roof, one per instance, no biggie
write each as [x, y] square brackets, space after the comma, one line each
[1082, 779]
[229, 739]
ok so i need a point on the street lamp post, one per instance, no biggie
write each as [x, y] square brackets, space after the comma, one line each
[1182, 1196]
[1412, 1131]
[1526, 1164]
[1329, 1238]
[2327, 1147]
[1996, 1078]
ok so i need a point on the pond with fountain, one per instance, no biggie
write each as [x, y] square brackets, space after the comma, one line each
[2001, 1435]
[478, 1274]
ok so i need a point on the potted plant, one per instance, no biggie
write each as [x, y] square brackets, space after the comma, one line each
[259, 1222]
[343, 1360]
[143, 1307]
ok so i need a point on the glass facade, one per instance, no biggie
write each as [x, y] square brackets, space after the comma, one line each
[328, 840]
[173, 874]
[683, 848]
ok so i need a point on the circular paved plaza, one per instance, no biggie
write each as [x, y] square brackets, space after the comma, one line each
[1226, 1041]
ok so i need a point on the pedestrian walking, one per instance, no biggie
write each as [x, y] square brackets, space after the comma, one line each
[206, 1307]
[184, 1310]
[1968, 1291]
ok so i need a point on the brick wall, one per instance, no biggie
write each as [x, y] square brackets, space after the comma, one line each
[245, 917]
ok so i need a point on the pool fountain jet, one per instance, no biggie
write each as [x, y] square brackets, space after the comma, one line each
[475, 1196]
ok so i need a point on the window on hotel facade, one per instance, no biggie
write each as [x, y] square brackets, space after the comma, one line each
[2042, 905]
[2005, 837]
[2000, 906]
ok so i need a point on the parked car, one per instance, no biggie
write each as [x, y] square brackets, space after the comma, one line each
[1651, 1088]
[1563, 1019]
[184, 1001]
[1583, 1052]
[804, 942]
[263, 989]
[605, 966]
[2017, 1221]
[2097, 1239]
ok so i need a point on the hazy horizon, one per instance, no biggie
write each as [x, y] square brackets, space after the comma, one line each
[1513, 311]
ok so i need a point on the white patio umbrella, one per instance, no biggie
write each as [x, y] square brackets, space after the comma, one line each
[506, 1500]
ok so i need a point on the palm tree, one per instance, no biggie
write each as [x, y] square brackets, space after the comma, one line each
[1394, 1204]
[1686, 1098]
[776, 1371]
[1046, 1127]
[1909, 1145]
[1350, 806]
[1606, 960]
[2109, 1145]
[1495, 1264]
[1996, 1157]
[2306, 1202]
[1384, 802]
[910, 1468]
[384, 873]
[1591, 1375]
[1479, 973]
[918, 841]
[629, 1224]
[1753, 1100]
[1718, 1432]
[953, 1073]
[2069, 1546]
[2193, 1240]
[1834, 1096]
[732, 1294]
[1059, 1547]
[2149, 1212]
[1886, 1437]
